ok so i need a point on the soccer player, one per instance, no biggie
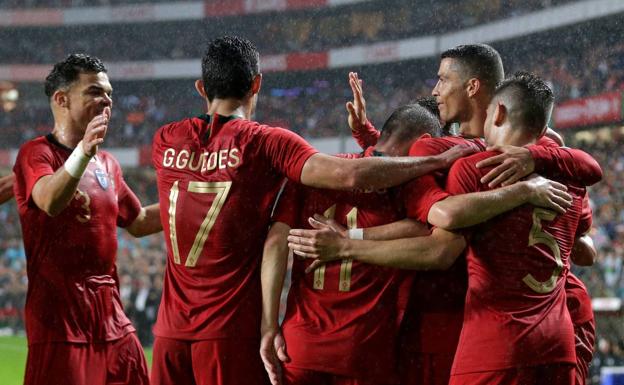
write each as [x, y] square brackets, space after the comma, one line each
[342, 322]
[6, 187]
[516, 326]
[71, 197]
[218, 175]
[468, 75]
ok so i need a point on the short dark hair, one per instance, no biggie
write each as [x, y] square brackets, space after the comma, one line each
[408, 122]
[430, 103]
[479, 61]
[529, 101]
[228, 67]
[66, 72]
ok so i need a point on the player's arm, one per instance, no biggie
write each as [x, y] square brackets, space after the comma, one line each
[515, 163]
[403, 228]
[437, 251]
[467, 210]
[583, 251]
[362, 130]
[6, 187]
[53, 193]
[324, 171]
[147, 222]
[272, 274]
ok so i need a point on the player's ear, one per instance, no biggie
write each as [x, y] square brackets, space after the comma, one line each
[256, 83]
[473, 86]
[500, 114]
[199, 86]
[60, 99]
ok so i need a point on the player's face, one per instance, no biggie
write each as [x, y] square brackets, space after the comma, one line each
[88, 96]
[450, 91]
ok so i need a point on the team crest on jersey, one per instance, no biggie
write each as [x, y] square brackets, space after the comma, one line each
[102, 178]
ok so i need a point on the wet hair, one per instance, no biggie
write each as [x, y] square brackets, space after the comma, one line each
[430, 103]
[528, 99]
[409, 122]
[478, 61]
[66, 72]
[228, 67]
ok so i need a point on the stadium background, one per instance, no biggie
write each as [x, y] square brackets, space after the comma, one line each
[153, 50]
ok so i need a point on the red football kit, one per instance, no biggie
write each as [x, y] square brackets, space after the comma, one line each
[73, 291]
[516, 315]
[217, 182]
[580, 308]
[342, 320]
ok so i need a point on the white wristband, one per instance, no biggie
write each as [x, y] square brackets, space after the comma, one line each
[355, 233]
[77, 162]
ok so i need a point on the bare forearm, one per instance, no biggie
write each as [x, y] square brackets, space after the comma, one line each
[6, 187]
[148, 222]
[467, 210]
[404, 228]
[377, 173]
[583, 252]
[434, 252]
[272, 273]
[53, 193]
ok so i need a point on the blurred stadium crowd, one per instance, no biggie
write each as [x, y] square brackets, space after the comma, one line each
[577, 63]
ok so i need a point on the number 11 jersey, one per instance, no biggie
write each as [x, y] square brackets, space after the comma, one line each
[217, 182]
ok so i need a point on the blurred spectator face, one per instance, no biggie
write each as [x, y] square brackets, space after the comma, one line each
[88, 96]
[450, 91]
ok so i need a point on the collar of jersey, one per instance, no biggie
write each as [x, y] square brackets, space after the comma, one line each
[52, 139]
[222, 119]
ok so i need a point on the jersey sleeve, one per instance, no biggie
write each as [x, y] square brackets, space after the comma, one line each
[128, 203]
[566, 163]
[463, 178]
[585, 222]
[34, 160]
[286, 151]
[288, 205]
[367, 137]
[419, 195]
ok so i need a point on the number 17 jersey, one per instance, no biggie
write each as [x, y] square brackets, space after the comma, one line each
[217, 182]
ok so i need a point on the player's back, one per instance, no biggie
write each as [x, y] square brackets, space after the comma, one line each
[517, 264]
[343, 317]
[217, 182]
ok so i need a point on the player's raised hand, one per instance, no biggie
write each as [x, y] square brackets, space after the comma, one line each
[514, 163]
[273, 353]
[549, 194]
[356, 108]
[449, 156]
[95, 132]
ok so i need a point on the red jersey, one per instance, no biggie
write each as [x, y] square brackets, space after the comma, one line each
[217, 184]
[73, 290]
[516, 311]
[578, 299]
[435, 312]
[344, 317]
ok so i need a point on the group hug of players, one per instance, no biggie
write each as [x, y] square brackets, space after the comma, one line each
[460, 275]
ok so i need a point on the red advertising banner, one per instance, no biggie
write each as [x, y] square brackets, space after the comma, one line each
[603, 108]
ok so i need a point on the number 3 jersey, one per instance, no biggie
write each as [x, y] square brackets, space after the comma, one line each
[217, 183]
[73, 293]
[516, 312]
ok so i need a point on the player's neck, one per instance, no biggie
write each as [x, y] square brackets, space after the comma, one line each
[473, 127]
[65, 135]
[229, 107]
[512, 137]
